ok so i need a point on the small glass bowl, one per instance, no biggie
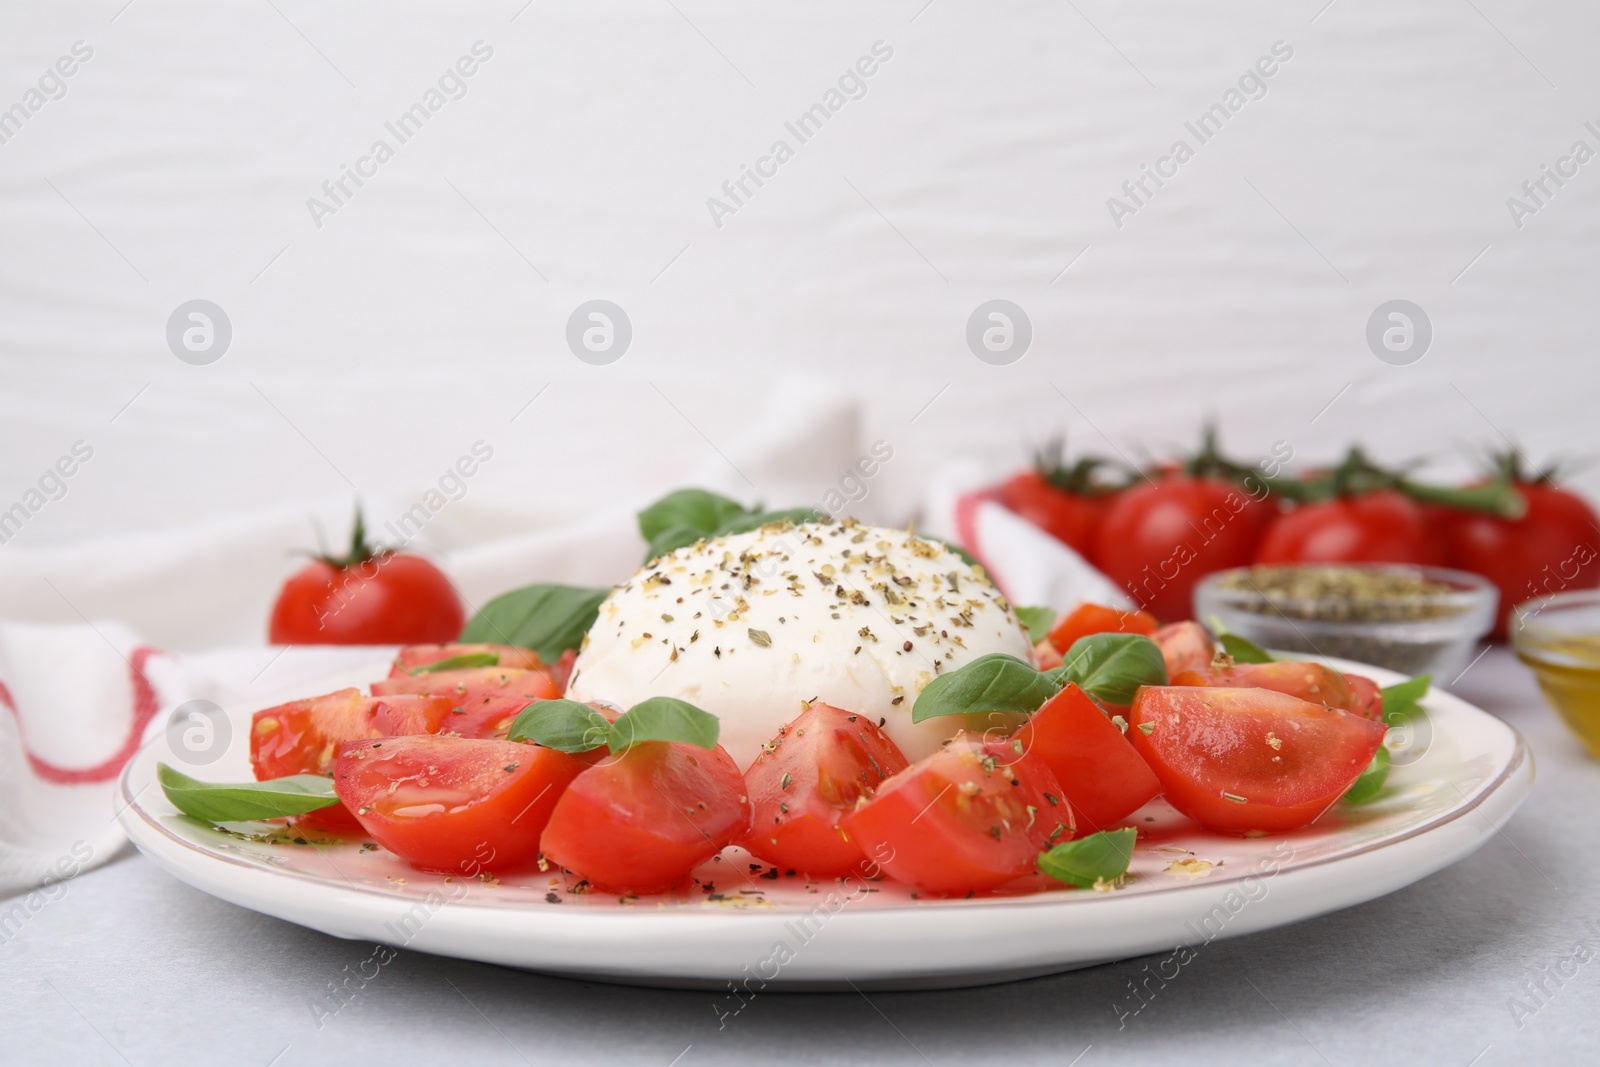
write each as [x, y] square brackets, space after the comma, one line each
[1559, 638]
[1429, 633]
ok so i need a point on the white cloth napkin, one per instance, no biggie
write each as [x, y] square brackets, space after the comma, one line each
[156, 622]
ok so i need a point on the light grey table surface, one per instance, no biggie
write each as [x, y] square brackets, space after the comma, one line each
[133, 967]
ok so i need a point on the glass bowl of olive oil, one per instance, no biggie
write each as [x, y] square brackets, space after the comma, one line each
[1559, 637]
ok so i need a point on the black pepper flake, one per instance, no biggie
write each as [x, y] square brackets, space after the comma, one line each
[551, 898]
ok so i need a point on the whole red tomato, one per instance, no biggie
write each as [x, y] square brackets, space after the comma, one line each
[1554, 546]
[1159, 539]
[370, 597]
[1383, 526]
[1068, 503]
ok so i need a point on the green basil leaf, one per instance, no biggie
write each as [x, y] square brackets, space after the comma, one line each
[564, 725]
[684, 517]
[757, 519]
[1112, 667]
[996, 682]
[246, 801]
[1102, 857]
[1401, 701]
[459, 663]
[664, 719]
[1243, 650]
[550, 619]
[1037, 621]
[695, 509]
[1370, 782]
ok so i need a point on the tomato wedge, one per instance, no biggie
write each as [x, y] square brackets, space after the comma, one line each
[1184, 646]
[453, 804]
[1242, 761]
[644, 819]
[804, 781]
[411, 657]
[1308, 681]
[303, 736]
[489, 697]
[1366, 698]
[1088, 619]
[968, 818]
[1102, 776]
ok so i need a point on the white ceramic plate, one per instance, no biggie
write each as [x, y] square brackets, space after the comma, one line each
[1450, 791]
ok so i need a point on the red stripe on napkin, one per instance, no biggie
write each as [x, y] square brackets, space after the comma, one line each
[145, 705]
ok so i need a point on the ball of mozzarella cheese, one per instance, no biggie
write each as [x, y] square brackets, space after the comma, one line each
[750, 626]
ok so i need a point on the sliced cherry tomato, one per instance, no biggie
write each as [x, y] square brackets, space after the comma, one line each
[968, 818]
[1242, 761]
[803, 782]
[1366, 698]
[1308, 681]
[489, 698]
[1102, 776]
[1159, 539]
[1184, 646]
[1383, 526]
[644, 819]
[453, 804]
[408, 659]
[303, 737]
[1088, 619]
[561, 670]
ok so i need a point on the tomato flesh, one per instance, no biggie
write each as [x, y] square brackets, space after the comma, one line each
[489, 697]
[1308, 681]
[968, 818]
[1100, 773]
[1242, 761]
[1087, 619]
[644, 819]
[803, 782]
[1184, 646]
[303, 737]
[411, 657]
[391, 599]
[453, 804]
[1379, 527]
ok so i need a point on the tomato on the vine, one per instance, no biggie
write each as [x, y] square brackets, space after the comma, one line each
[1383, 526]
[1554, 546]
[366, 597]
[1159, 539]
[1069, 503]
